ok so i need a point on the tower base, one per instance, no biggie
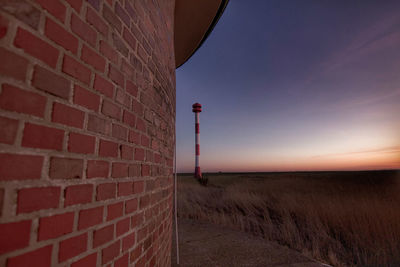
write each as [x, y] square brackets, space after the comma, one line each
[197, 173]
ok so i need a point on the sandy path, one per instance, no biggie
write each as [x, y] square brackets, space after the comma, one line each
[203, 244]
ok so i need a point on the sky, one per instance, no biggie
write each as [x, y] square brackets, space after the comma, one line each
[294, 85]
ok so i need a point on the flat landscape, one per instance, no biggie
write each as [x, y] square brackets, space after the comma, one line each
[338, 218]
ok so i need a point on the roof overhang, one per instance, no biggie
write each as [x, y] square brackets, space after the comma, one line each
[194, 21]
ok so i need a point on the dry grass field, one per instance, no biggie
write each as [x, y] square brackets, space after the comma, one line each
[340, 218]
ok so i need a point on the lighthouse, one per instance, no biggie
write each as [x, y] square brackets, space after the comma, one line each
[197, 172]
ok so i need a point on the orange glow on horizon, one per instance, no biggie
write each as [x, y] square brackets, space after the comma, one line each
[387, 158]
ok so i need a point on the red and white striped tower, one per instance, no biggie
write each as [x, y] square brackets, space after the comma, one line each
[197, 109]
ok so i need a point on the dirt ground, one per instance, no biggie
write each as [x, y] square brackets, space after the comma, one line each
[203, 244]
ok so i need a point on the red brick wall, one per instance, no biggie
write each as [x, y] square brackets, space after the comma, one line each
[87, 115]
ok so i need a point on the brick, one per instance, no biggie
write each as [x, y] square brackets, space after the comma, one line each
[60, 36]
[38, 198]
[38, 136]
[134, 170]
[88, 261]
[36, 47]
[24, 12]
[116, 76]
[115, 210]
[119, 132]
[136, 63]
[145, 141]
[83, 30]
[14, 99]
[137, 107]
[142, 53]
[142, 233]
[150, 185]
[123, 98]
[135, 254]
[154, 144]
[137, 220]
[12, 65]
[128, 69]
[72, 247]
[128, 37]
[122, 226]
[54, 7]
[121, 13]
[125, 188]
[50, 82]
[119, 170]
[75, 69]
[131, 88]
[92, 58]
[128, 241]
[148, 115]
[145, 170]
[105, 191]
[148, 49]
[108, 52]
[120, 45]
[67, 115]
[108, 149]
[157, 158]
[140, 125]
[131, 205]
[41, 257]
[8, 130]
[132, 13]
[97, 169]
[55, 226]
[103, 86]
[78, 194]
[127, 152]
[110, 252]
[98, 125]
[75, 4]
[86, 99]
[134, 137]
[149, 156]
[144, 201]
[110, 109]
[96, 21]
[81, 143]
[14, 236]
[3, 26]
[95, 4]
[123, 261]
[66, 168]
[20, 167]
[111, 18]
[103, 235]
[90, 217]
[139, 154]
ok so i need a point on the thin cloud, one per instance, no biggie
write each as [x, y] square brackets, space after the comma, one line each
[383, 34]
[384, 150]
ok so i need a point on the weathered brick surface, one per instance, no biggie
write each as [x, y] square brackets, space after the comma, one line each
[29, 102]
[14, 235]
[55, 226]
[87, 95]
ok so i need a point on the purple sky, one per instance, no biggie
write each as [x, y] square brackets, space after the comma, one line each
[295, 85]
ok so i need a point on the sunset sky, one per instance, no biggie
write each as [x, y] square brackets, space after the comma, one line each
[295, 85]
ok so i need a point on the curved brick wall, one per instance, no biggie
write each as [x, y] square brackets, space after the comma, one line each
[87, 116]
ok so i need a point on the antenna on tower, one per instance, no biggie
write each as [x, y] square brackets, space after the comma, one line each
[197, 172]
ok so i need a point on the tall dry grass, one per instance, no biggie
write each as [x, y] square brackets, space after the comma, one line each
[344, 219]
